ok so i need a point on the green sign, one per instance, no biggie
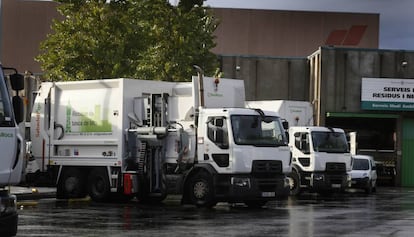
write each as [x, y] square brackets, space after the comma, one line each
[397, 106]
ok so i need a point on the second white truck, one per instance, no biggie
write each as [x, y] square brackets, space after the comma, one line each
[321, 157]
[125, 138]
[321, 160]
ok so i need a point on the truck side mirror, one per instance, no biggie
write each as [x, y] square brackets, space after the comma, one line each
[219, 122]
[285, 124]
[18, 108]
[17, 84]
[17, 81]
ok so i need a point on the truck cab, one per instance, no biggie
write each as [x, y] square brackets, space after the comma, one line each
[246, 153]
[321, 159]
[11, 147]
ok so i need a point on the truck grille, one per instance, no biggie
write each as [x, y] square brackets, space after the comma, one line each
[335, 167]
[269, 184]
[267, 166]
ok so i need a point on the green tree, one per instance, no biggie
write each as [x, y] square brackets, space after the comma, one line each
[146, 39]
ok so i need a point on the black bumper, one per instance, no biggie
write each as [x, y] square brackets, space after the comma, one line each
[323, 182]
[360, 183]
[236, 188]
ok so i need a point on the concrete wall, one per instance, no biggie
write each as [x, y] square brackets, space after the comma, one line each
[291, 33]
[269, 78]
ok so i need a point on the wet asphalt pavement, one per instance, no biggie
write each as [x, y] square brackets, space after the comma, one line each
[389, 212]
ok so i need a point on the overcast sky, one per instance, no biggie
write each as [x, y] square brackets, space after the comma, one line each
[396, 16]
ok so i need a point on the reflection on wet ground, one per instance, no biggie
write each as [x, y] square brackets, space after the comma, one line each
[389, 212]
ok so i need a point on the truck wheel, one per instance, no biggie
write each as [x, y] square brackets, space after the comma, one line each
[201, 191]
[294, 183]
[71, 184]
[98, 185]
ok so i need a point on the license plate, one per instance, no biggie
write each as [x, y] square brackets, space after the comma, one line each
[268, 194]
[336, 185]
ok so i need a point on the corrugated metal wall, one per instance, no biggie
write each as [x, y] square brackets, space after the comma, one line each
[341, 70]
[269, 78]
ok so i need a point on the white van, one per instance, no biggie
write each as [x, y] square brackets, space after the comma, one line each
[363, 173]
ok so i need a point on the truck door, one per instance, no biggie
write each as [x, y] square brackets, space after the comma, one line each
[301, 150]
[216, 145]
[10, 141]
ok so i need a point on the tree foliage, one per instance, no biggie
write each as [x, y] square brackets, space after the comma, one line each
[146, 39]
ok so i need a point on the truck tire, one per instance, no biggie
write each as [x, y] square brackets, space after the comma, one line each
[294, 183]
[201, 190]
[71, 184]
[98, 185]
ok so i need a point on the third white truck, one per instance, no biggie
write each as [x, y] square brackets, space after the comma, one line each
[321, 156]
[127, 137]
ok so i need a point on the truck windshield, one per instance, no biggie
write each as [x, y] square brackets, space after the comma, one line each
[333, 142]
[258, 131]
[5, 109]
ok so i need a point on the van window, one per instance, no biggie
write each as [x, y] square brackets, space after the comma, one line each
[360, 164]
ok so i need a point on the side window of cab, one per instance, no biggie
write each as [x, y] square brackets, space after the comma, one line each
[302, 142]
[217, 131]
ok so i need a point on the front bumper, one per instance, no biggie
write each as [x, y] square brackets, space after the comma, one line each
[236, 188]
[320, 182]
[360, 182]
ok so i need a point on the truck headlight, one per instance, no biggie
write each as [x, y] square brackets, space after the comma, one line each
[318, 177]
[240, 182]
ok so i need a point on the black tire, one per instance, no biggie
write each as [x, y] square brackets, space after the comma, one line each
[201, 190]
[294, 183]
[98, 185]
[255, 204]
[71, 184]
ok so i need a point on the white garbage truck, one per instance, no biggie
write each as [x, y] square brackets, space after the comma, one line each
[12, 149]
[321, 159]
[321, 156]
[146, 139]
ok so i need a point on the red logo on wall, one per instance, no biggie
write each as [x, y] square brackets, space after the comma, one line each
[349, 37]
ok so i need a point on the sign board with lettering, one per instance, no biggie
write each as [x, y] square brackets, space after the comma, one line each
[387, 94]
